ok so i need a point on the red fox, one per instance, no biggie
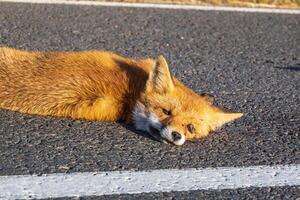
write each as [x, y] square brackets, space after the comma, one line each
[103, 86]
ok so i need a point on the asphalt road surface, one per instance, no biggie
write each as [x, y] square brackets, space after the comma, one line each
[249, 61]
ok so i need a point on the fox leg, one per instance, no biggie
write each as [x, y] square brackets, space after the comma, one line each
[100, 109]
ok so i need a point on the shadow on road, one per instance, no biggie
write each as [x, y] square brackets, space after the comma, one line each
[295, 67]
[131, 128]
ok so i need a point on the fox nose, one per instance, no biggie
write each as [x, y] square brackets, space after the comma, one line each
[176, 136]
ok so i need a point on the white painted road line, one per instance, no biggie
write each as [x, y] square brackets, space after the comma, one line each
[163, 6]
[132, 182]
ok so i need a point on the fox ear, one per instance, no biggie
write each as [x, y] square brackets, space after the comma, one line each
[160, 79]
[223, 118]
[208, 97]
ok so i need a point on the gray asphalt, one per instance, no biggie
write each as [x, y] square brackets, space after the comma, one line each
[282, 193]
[250, 62]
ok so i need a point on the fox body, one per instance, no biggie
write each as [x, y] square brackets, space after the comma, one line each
[103, 86]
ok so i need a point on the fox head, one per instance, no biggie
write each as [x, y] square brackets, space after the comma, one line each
[173, 113]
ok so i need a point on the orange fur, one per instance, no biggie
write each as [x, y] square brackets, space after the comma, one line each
[96, 85]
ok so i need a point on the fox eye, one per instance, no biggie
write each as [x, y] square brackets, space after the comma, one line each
[191, 128]
[166, 112]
